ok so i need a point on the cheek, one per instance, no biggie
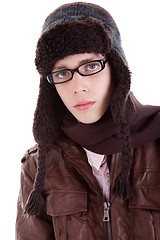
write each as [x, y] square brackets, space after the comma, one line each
[105, 94]
[105, 87]
[64, 94]
[60, 91]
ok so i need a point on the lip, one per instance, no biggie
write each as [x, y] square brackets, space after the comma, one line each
[84, 105]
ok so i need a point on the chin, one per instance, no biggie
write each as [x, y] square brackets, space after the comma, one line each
[89, 120]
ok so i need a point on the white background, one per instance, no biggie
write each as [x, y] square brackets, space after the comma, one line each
[21, 23]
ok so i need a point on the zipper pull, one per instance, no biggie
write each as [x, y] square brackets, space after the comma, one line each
[106, 217]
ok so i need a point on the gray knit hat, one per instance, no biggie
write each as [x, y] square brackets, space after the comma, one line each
[78, 28]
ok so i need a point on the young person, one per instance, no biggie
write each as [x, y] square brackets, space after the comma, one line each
[95, 170]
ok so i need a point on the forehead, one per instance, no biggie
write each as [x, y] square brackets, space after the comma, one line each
[75, 60]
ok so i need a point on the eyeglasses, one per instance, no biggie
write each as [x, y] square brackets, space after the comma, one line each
[86, 69]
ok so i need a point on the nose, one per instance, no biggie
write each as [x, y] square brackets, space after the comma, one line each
[79, 83]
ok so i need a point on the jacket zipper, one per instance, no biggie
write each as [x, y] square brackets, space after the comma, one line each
[106, 204]
[106, 217]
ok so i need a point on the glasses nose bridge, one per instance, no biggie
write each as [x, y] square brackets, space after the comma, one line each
[75, 70]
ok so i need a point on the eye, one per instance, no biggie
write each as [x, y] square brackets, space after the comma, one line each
[61, 74]
[92, 66]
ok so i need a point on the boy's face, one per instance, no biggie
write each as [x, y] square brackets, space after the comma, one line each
[86, 97]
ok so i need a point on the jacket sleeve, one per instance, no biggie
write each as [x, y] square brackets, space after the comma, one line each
[31, 227]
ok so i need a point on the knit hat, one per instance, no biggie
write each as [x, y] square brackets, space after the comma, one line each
[71, 29]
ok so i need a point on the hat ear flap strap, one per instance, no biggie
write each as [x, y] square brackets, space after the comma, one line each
[122, 186]
[33, 204]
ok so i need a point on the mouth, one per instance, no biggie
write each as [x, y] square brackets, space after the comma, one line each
[81, 106]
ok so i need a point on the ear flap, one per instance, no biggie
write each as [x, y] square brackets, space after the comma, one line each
[123, 112]
[46, 127]
[48, 114]
[122, 106]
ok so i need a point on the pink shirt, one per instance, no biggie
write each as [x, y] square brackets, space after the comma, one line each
[100, 170]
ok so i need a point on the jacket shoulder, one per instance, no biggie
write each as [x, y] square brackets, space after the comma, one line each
[29, 162]
[29, 153]
[30, 159]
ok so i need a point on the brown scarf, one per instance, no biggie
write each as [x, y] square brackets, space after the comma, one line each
[103, 136]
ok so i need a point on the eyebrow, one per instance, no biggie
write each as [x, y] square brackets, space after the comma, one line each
[61, 67]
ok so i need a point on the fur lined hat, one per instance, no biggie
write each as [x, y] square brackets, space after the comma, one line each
[71, 29]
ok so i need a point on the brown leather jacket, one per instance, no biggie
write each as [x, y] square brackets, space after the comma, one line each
[73, 206]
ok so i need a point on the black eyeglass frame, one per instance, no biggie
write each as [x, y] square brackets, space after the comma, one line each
[50, 76]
